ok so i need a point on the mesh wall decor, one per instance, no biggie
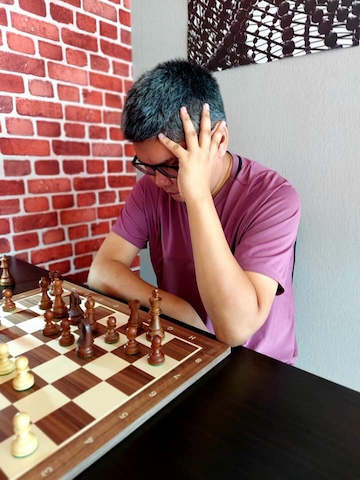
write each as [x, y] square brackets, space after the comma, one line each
[228, 33]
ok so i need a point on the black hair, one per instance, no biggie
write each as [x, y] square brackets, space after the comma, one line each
[154, 100]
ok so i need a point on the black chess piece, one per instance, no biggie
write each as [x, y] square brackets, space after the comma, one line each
[9, 305]
[155, 327]
[132, 347]
[85, 342]
[52, 275]
[6, 279]
[75, 311]
[67, 338]
[59, 308]
[156, 356]
[134, 318]
[90, 313]
[45, 301]
[111, 336]
[51, 329]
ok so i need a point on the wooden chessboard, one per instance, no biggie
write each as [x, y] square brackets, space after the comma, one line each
[81, 408]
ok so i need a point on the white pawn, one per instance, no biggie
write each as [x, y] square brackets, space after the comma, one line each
[25, 441]
[6, 364]
[24, 378]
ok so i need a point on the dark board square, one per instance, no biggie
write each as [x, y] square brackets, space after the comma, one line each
[130, 380]
[120, 352]
[64, 422]
[98, 352]
[76, 383]
[101, 312]
[6, 422]
[11, 333]
[31, 301]
[21, 316]
[178, 349]
[39, 355]
[13, 396]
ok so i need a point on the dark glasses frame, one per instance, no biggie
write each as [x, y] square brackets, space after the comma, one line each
[163, 168]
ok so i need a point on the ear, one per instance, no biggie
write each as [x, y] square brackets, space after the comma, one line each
[224, 142]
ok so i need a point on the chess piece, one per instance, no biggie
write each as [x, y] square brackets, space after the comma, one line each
[24, 378]
[6, 280]
[59, 308]
[25, 442]
[7, 365]
[85, 342]
[90, 313]
[132, 346]
[156, 356]
[134, 318]
[9, 305]
[111, 336]
[52, 275]
[75, 311]
[45, 301]
[67, 338]
[51, 329]
[155, 327]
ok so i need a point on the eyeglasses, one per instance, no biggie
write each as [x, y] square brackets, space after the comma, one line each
[169, 171]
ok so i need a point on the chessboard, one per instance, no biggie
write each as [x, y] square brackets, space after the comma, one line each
[79, 408]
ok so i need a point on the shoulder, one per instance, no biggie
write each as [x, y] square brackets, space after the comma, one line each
[263, 181]
[252, 170]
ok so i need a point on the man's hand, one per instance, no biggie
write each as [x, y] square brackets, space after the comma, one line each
[199, 163]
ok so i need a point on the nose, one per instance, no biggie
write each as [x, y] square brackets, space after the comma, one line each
[162, 181]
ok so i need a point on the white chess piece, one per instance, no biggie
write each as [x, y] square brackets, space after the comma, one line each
[6, 364]
[25, 441]
[24, 378]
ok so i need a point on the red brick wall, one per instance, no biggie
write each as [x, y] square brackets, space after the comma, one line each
[65, 170]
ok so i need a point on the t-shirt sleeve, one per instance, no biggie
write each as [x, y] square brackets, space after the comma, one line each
[267, 245]
[131, 223]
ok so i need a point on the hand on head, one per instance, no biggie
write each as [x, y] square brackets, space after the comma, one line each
[201, 161]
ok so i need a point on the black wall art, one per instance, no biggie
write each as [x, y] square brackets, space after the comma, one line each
[229, 33]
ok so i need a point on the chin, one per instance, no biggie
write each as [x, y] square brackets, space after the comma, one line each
[177, 197]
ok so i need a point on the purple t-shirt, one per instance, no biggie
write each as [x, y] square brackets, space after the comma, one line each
[259, 212]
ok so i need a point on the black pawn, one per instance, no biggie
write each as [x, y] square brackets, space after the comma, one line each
[132, 346]
[67, 338]
[111, 336]
[51, 329]
[9, 305]
[156, 356]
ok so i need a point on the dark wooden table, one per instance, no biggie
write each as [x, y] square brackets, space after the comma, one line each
[251, 417]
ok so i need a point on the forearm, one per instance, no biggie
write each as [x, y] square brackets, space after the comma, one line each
[227, 293]
[113, 278]
[117, 280]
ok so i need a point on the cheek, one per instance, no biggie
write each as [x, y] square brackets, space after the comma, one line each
[162, 181]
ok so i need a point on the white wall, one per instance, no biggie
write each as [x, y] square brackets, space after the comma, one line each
[300, 116]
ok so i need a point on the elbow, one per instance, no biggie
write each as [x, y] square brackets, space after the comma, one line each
[232, 338]
[93, 280]
[235, 334]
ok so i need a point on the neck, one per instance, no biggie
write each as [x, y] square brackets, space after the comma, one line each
[226, 172]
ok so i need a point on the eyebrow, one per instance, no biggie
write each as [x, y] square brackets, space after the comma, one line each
[170, 160]
[159, 164]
